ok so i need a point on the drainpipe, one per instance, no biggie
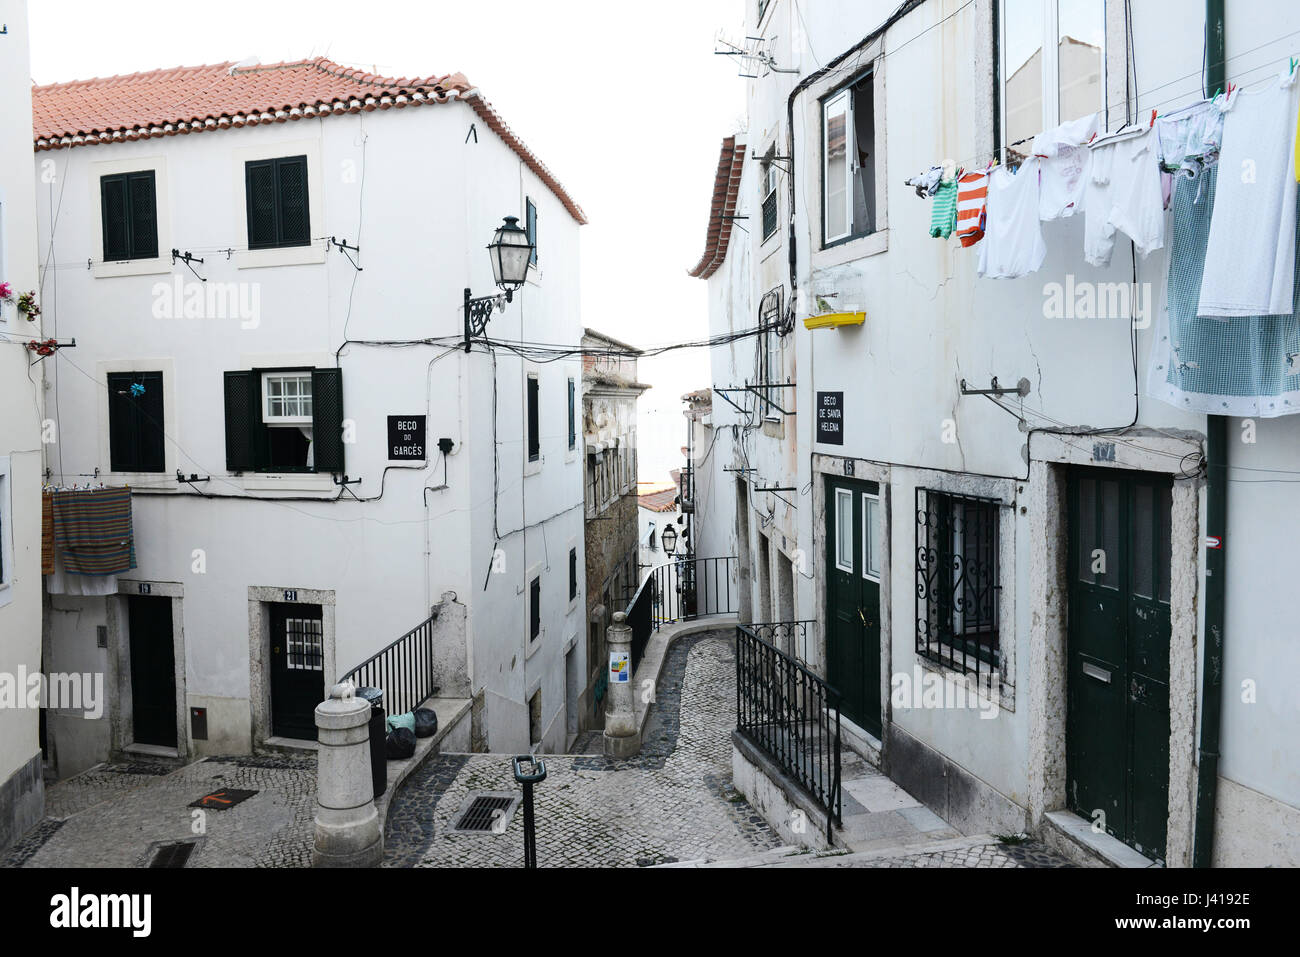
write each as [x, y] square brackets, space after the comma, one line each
[1216, 509]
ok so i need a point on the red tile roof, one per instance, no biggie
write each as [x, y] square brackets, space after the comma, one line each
[726, 188]
[221, 96]
[663, 500]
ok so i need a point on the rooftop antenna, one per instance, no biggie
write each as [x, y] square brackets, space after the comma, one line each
[754, 57]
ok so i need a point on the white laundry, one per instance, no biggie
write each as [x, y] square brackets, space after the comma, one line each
[1013, 235]
[1064, 162]
[1250, 258]
[1123, 194]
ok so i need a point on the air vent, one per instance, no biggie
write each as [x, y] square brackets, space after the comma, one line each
[486, 813]
[172, 855]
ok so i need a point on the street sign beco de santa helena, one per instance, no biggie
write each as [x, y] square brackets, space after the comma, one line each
[830, 418]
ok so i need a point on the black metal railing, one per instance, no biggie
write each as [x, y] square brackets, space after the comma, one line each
[680, 590]
[957, 584]
[790, 637]
[792, 715]
[404, 670]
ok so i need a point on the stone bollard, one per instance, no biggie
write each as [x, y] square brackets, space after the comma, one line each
[622, 734]
[347, 825]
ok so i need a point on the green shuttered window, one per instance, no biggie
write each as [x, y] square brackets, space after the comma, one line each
[253, 445]
[276, 194]
[135, 421]
[129, 210]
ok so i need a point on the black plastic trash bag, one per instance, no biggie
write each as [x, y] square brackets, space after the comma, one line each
[426, 723]
[400, 743]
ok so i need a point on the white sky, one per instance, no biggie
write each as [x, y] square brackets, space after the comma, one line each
[625, 102]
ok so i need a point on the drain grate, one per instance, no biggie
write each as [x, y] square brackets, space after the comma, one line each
[173, 855]
[485, 813]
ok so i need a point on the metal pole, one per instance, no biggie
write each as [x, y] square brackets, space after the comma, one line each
[467, 297]
[528, 779]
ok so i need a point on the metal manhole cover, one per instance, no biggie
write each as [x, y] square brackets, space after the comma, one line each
[175, 854]
[485, 813]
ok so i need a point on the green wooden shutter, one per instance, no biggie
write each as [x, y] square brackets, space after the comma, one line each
[534, 438]
[327, 419]
[142, 194]
[573, 415]
[291, 195]
[530, 222]
[245, 432]
[114, 206]
[135, 423]
[259, 188]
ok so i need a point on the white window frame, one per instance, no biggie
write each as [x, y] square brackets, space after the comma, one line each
[844, 96]
[161, 264]
[870, 543]
[267, 417]
[841, 495]
[1049, 53]
[313, 252]
[305, 642]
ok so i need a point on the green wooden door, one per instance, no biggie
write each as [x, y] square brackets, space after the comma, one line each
[1117, 722]
[853, 516]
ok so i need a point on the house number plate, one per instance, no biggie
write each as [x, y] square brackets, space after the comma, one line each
[290, 594]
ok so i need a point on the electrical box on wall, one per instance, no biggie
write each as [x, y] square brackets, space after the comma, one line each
[199, 724]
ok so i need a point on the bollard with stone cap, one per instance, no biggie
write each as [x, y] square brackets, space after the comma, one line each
[347, 825]
[622, 733]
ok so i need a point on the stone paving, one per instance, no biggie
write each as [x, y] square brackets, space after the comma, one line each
[673, 801]
[116, 815]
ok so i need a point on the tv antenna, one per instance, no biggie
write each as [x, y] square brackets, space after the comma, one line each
[754, 57]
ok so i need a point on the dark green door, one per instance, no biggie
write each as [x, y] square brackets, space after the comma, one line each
[297, 669]
[153, 670]
[1117, 723]
[853, 516]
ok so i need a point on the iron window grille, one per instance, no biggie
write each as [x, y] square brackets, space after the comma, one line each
[129, 209]
[957, 583]
[305, 643]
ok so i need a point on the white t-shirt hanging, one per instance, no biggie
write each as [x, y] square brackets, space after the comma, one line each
[1064, 161]
[1122, 193]
[1013, 236]
[1250, 258]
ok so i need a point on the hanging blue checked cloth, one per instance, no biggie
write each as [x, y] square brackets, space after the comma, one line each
[1238, 366]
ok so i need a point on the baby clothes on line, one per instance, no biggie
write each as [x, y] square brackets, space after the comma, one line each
[1013, 235]
[972, 192]
[1190, 138]
[1064, 161]
[927, 183]
[1250, 260]
[1123, 194]
[943, 214]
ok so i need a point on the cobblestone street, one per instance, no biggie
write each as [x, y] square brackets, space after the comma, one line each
[117, 815]
[671, 804]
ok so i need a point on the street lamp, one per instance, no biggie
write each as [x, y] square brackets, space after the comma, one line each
[510, 252]
[669, 539]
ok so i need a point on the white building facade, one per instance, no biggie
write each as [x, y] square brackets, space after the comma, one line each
[876, 339]
[346, 467]
[21, 376]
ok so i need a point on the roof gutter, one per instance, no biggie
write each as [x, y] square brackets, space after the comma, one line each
[1216, 520]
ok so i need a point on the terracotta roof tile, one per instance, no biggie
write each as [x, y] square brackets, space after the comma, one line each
[726, 189]
[219, 96]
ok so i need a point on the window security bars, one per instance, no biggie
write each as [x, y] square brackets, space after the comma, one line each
[957, 582]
